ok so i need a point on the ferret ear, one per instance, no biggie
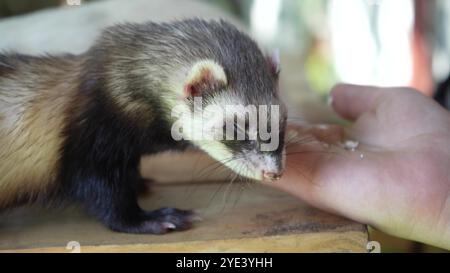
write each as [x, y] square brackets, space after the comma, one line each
[204, 76]
[273, 60]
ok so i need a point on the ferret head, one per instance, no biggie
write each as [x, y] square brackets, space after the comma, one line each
[229, 106]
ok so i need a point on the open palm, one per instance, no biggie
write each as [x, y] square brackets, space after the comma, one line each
[397, 179]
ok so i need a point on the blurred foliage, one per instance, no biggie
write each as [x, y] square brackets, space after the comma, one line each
[320, 73]
[19, 7]
[234, 7]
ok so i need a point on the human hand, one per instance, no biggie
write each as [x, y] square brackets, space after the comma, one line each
[397, 179]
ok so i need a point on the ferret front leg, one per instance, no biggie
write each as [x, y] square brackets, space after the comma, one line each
[113, 200]
[144, 186]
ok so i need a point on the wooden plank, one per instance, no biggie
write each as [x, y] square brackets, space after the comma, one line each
[236, 218]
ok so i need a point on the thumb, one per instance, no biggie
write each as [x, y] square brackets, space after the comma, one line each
[350, 101]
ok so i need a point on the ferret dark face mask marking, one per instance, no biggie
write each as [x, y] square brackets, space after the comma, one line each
[257, 158]
[261, 156]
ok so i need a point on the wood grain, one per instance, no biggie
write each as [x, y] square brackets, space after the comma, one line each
[236, 218]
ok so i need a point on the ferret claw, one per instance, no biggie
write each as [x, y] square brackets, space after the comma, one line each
[168, 225]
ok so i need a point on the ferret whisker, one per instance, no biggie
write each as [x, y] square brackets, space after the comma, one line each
[303, 140]
[190, 192]
[226, 192]
[240, 191]
[300, 141]
[218, 168]
[220, 163]
[241, 184]
[244, 180]
[213, 166]
[219, 188]
[207, 170]
[297, 119]
[195, 166]
[243, 169]
[229, 175]
[312, 152]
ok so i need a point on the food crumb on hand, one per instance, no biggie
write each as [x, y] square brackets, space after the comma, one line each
[351, 145]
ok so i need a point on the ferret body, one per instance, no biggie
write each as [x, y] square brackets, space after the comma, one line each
[74, 127]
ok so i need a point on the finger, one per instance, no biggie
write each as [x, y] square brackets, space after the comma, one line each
[350, 101]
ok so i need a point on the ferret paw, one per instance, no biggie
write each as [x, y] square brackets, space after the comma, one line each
[157, 222]
[168, 219]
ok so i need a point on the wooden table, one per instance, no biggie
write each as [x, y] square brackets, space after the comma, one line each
[238, 217]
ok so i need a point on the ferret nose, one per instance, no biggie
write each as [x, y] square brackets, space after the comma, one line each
[272, 175]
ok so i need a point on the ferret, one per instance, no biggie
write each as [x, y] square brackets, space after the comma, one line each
[74, 127]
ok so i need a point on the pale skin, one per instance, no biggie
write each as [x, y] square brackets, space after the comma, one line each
[398, 178]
